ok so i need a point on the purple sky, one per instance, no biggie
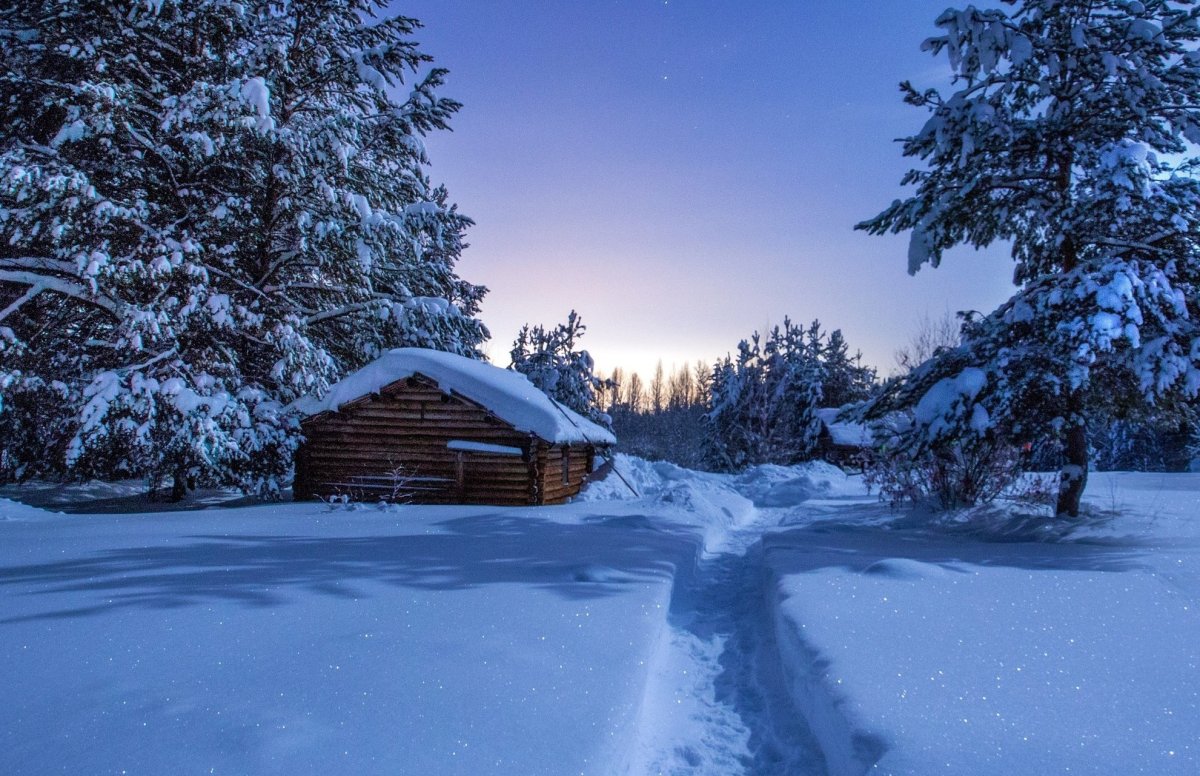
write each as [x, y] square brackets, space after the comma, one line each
[682, 173]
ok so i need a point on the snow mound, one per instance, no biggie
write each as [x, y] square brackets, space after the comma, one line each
[718, 503]
[904, 569]
[766, 485]
[662, 482]
[709, 501]
[648, 478]
[16, 511]
[595, 572]
[769, 485]
[845, 432]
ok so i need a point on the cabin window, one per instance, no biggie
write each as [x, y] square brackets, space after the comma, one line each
[566, 465]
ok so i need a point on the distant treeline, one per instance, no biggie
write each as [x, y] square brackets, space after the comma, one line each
[757, 405]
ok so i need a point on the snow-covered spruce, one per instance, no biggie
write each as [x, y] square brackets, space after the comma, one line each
[208, 209]
[1065, 135]
[549, 358]
[763, 405]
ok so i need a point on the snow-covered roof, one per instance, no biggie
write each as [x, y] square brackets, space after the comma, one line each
[842, 433]
[508, 395]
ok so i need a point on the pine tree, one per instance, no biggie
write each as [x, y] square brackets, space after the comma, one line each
[551, 360]
[763, 405]
[846, 379]
[1064, 135]
[209, 209]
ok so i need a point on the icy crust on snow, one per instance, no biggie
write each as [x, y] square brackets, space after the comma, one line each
[507, 394]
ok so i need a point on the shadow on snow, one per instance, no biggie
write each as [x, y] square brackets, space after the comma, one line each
[593, 559]
[861, 548]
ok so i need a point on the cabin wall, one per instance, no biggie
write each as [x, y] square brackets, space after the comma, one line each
[557, 484]
[393, 446]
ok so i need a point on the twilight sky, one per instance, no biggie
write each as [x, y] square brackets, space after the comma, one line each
[684, 172]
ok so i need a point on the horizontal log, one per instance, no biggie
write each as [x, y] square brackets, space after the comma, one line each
[351, 487]
[554, 479]
[430, 484]
[431, 414]
[409, 450]
[369, 441]
[417, 470]
[415, 425]
[405, 456]
[384, 452]
[340, 433]
[560, 485]
[342, 472]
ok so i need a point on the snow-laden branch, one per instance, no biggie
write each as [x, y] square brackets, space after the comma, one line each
[39, 263]
[62, 286]
[339, 312]
[1134, 245]
[208, 267]
[170, 353]
[21, 300]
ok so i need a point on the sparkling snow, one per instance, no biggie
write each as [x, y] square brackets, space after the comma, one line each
[776, 622]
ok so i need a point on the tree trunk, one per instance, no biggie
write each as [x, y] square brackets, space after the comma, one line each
[1074, 471]
[179, 487]
[1075, 468]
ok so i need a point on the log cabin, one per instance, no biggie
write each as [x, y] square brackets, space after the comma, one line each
[424, 426]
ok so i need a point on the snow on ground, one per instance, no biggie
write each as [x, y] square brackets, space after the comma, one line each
[293, 640]
[947, 648]
[776, 622]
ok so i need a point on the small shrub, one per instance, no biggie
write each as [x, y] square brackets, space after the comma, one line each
[949, 476]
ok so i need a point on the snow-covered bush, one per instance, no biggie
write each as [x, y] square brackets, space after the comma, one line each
[951, 475]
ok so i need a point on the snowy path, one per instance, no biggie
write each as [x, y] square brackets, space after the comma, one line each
[715, 701]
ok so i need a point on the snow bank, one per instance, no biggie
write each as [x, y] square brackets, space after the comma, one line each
[720, 502]
[646, 478]
[766, 485]
[710, 502]
[788, 486]
[507, 394]
[13, 510]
